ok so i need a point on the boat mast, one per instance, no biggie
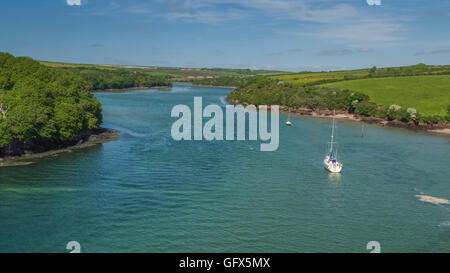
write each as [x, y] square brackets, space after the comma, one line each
[332, 134]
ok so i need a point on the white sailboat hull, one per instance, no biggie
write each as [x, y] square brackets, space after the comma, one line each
[332, 167]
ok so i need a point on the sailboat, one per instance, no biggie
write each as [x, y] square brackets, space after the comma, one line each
[330, 162]
[288, 122]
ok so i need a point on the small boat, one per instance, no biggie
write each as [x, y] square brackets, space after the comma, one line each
[330, 162]
[288, 122]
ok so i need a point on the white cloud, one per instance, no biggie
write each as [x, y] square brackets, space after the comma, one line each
[73, 2]
[212, 11]
[432, 52]
[303, 10]
[287, 52]
[342, 23]
[345, 51]
[334, 52]
[367, 31]
[365, 50]
[206, 17]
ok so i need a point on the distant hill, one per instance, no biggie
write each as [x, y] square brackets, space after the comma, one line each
[173, 73]
[313, 78]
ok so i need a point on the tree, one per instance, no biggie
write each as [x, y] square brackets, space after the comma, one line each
[41, 105]
[3, 110]
[366, 108]
[372, 71]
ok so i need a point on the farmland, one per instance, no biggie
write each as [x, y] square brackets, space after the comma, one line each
[428, 94]
[320, 77]
[313, 78]
[174, 73]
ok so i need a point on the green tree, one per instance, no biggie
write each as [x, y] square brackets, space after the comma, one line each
[41, 105]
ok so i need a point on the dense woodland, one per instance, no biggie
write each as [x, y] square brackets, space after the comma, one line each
[42, 107]
[266, 91]
[222, 81]
[102, 78]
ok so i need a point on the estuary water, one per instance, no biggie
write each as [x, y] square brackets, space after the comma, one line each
[149, 193]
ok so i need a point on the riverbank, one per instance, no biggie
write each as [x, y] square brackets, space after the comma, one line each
[439, 129]
[118, 90]
[218, 86]
[100, 136]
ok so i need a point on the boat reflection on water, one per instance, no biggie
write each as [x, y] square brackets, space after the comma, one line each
[334, 177]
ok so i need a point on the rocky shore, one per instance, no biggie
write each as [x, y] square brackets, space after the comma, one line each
[440, 129]
[25, 157]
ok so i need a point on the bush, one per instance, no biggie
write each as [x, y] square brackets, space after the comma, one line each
[396, 112]
[366, 108]
[431, 119]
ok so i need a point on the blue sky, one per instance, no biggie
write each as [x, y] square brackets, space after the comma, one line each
[290, 35]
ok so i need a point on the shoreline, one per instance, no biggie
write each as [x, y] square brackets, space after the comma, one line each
[438, 129]
[218, 86]
[118, 90]
[101, 136]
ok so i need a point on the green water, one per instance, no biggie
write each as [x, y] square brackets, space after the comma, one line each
[148, 193]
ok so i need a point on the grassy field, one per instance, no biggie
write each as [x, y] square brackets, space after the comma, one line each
[171, 72]
[428, 94]
[312, 77]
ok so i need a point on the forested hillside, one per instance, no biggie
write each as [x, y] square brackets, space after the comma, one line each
[117, 78]
[41, 107]
[269, 91]
[223, 81]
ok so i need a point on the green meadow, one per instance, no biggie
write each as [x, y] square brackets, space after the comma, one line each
[428, 94]
[317, 77]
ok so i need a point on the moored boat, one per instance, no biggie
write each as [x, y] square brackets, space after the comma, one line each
[331, 162]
